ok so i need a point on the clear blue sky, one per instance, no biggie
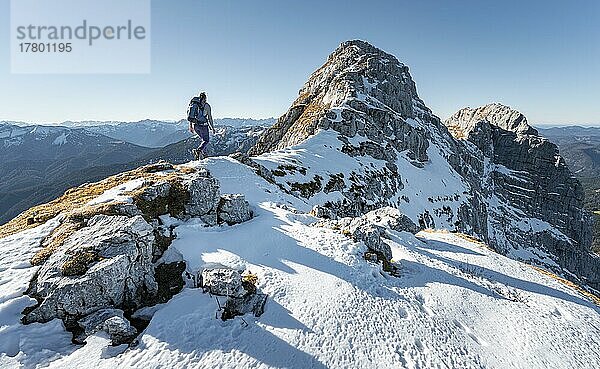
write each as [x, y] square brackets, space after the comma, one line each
[541, 57]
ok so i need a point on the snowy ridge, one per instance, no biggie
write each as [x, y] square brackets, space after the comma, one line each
[327, 308]
[321, 155]
[12, 135]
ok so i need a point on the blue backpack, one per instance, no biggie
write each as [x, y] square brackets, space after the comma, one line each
[196, 112]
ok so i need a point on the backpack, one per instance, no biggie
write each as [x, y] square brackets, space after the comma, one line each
[196, 112]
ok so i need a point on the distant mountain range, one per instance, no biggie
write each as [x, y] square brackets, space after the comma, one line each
[39, 162]
[147, 133]
[580, 146]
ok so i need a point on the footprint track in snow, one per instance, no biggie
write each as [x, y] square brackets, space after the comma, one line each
[562, 314]
[422, 306]
[469, 333]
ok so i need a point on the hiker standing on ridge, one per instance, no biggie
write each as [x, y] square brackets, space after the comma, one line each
[200, 118]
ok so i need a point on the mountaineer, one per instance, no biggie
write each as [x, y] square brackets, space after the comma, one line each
[200, 118]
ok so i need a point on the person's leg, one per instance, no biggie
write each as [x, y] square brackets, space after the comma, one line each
[196, 151]
[204, 136]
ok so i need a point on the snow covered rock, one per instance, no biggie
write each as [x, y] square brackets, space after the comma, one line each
[110, 321]
[113, 250]
[119, 329]
[242, 295]
[371, 228]
[223, 282]
[391, 218]
[113, 257]
[234, 209]
[370, 234]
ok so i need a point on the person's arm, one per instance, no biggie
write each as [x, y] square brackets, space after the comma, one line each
[210, 119]
[191, 125]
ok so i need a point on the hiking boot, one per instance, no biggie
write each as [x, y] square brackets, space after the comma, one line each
[196, 154]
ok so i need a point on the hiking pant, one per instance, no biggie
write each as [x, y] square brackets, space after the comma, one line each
[202, 132]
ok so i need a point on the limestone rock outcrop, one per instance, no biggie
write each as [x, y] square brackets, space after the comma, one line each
[464, 121]
[106, 263]
[534, 201]
[111, 255]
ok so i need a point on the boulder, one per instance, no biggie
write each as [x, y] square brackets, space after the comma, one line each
[108, 263]
[242, 294]
[204, 195]
[370, 228]
[391, 218]
[253, 303]
[370, 234]
[223, 282]
[110, 321]
[233, 209]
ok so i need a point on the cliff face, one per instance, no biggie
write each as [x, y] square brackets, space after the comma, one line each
[373, 143]
[532, 198]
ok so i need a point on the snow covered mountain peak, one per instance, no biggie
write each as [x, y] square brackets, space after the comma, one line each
[356, 70]
[358, 137]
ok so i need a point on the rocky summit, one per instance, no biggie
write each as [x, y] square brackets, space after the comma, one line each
[484, 171]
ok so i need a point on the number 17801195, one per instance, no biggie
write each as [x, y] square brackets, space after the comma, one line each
[49, 47]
